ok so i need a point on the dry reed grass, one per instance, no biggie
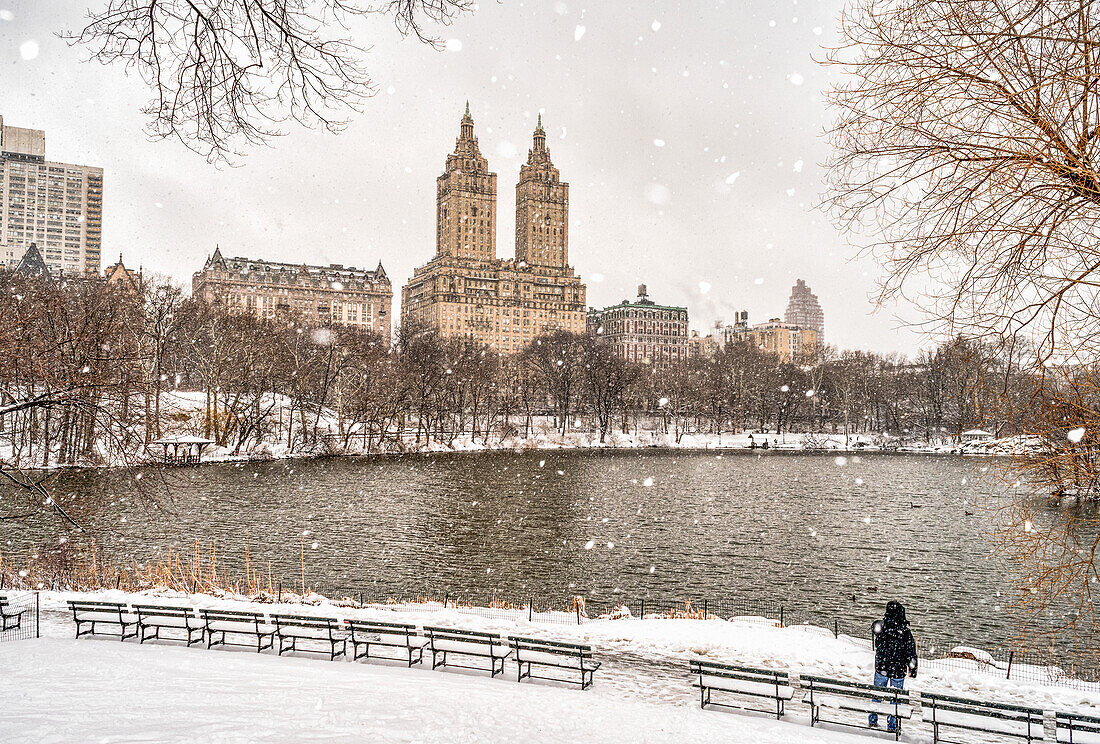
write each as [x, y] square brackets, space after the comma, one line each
[72, 567]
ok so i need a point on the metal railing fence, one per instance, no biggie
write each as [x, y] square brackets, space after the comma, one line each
[19, 615]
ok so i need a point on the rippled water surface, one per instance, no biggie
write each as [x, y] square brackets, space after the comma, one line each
[834, 539]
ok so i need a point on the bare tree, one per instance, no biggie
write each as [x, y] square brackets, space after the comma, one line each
[967, 155]
[966, 149]
[229, 73]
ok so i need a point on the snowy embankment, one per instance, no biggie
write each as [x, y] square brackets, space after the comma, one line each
[643, 690]
[183, 415]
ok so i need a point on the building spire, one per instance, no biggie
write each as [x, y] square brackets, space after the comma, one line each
[540, 136]
[467, 128]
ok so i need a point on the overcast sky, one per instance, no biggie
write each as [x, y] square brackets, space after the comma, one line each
[690, 135]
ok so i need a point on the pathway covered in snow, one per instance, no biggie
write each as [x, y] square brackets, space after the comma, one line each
[57, 690]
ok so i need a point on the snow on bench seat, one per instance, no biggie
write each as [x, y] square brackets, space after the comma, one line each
[233, 626]
[157, 617]
[998, 719]
[234, 623]
[110, 614]
[854, 697]
[367, 633]
[747, 688]
[1075, 728]
[443, 641]
[326, 631]
[472, 649]
[863, 705]
[751, 682]
[539, 652]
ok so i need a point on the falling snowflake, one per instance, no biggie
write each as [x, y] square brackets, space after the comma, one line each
[648, 482]
[840, 460]
[454, 45]
[578, 32]
[590, 544]
[1076, 435]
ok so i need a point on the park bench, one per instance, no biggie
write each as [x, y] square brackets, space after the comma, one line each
[856, 697]
[232, 623]
[157, 617]
[310, 628]
[367, 633]
[996, 719]
[444, 641]
[1074, 728]
[10, 618]
[742, 682]
[102, 613]
[532, 652]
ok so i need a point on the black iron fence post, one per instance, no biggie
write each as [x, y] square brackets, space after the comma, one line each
[37, 618]
[642, 615]
[782, 624]
[1011, 654]
[446, 599]
[530, 609]
[360, 599]
[836, 629]
[705, 613]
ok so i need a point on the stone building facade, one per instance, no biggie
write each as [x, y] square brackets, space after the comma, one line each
[643, 331]
[788, 341]
[465, 290]
[803, 309]
[323, 294]
[56, 206]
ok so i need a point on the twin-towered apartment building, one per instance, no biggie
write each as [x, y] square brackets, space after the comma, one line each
[465, 290]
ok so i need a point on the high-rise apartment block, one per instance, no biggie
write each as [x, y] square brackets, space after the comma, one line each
[57, 206]
[803, 309]
[321, 294]
[465, 290]
[643, 331]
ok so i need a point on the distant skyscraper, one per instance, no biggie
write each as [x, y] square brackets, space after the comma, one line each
[803, 309]
[58, 206]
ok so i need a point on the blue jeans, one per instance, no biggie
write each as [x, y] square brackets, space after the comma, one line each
[881, 680]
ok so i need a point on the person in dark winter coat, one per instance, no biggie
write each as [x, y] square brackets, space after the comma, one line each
[895, 654]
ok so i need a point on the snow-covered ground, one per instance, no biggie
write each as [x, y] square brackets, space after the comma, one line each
[59, 689]
[55, 690]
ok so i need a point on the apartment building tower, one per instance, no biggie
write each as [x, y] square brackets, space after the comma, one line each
[465, 290]
[57, 206]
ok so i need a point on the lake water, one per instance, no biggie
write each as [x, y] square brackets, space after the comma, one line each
[827, 537]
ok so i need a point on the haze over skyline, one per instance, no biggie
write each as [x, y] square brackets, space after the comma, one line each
[690, 139]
